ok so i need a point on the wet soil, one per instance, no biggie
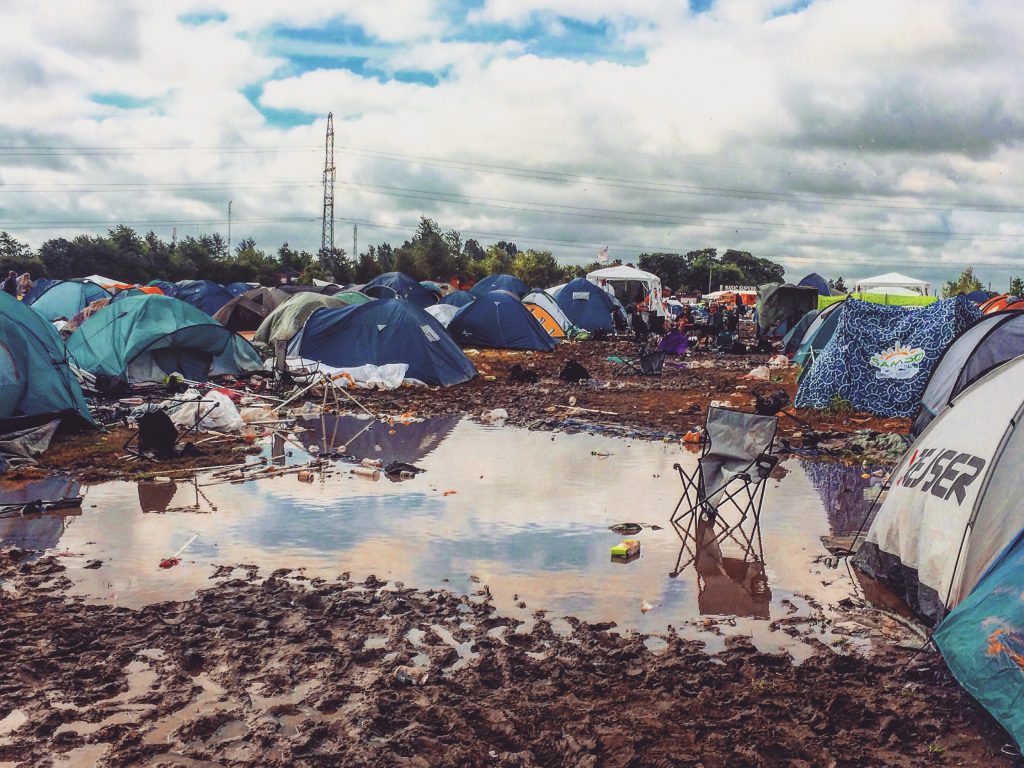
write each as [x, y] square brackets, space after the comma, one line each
[616, 400]
[285, 671]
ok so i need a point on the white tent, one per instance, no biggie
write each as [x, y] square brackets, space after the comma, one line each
[954, 503]
[621, 275]
[102, 281]
[889, 282]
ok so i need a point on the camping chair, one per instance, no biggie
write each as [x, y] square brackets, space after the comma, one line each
[730, 476]
[644, 362]
[157, 434]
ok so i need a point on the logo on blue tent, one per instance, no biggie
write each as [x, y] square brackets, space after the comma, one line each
[897, 362]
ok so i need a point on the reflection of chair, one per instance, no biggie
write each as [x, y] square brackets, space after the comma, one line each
[730, 476]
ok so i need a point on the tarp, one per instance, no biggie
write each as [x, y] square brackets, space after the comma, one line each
[502, 282]
[816, 281]
[34, 375]
[990, 342]
[67, 298]
[498, 320]
[587, 306]
[382, 332]
[399, 285]
[203, 294]
[895, 300]
[237, 289]
[246, 311]
[288, 319]
[879, 358]
[778, 304]
[146, 338]
[458, 298]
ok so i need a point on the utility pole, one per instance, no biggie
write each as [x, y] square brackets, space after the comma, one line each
[327, 230]
[355, 241]
[229, 225]
[711, 269]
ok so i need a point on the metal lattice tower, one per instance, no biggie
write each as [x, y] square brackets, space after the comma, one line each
[327, 235]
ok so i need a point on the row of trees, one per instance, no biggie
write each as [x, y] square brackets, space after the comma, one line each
[430, 254]
[968, 282]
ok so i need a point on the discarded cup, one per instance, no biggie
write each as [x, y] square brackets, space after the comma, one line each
[305, 476]
[369, 474]
[411, 675]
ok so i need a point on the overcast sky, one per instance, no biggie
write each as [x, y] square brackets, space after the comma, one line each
[847, 137]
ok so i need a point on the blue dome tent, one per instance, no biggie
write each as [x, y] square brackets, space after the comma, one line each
[204, 294]
[382, 332]
[588, 306]
[814, 280]
[501, 282]
[497, 319]
[67, 298]
[458, 298]
[397, 285]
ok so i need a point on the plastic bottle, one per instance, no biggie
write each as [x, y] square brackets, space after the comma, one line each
[406, 475]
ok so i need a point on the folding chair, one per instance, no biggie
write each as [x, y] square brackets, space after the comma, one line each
[726, 488]
[645, 361]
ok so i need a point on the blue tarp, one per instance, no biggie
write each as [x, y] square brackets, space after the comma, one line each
[382, 332]
[814, 280]
[169, 289]
[880, 356]
[458, 298]
[982, 640]
[398, 285]
[67, 298]
[203, 294]
[498, 319]
[237, 289]
[587, 306]
[502, 282]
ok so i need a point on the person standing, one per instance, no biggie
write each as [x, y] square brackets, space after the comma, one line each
[24, 284]
[10, 285]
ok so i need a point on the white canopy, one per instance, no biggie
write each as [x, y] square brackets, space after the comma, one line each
[892, 280]
[625, 274]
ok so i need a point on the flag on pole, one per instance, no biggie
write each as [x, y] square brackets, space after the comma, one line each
[602, 256]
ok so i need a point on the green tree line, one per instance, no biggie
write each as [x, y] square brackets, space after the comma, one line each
[431, 253]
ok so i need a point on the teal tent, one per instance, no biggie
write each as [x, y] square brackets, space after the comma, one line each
[67, 298]
[146, 338]
[35, 378]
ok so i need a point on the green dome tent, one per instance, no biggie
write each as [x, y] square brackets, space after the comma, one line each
[34, 375]
[146, 338]
[288, 319]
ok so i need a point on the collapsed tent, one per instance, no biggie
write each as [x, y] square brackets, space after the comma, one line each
[990, 342]
[383, 332]
[75, 322]
[392, 285]
[287, 320]
[588, 306]
[203, 294]
[66, 298]
[816, 281]
[35, 379]
[458, 298]
[246, 311]
[879, 357]
[501, 282]
[780, 306]
[147, 338]
[551, 317]
[498, 320]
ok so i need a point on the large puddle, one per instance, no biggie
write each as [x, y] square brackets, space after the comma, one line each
[525, 515]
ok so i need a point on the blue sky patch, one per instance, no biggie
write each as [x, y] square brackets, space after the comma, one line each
[123, 100]
[279, 118]
[198, 19]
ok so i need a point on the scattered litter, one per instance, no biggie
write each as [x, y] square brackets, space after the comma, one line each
[175, 559]
[626, 529]
[497, 417]
[449, 493]
[305, 476]
[645, 607]
[411, 675]
[778, 361]
[366, 472]
[760, 373]
[626, 548]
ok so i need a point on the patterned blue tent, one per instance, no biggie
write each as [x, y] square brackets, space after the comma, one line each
[880, 357]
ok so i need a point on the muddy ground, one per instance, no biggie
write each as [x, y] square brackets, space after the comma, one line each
[616, 400]
[283, 671]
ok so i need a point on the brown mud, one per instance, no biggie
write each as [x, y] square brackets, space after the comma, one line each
[615, 401]
[287, 671]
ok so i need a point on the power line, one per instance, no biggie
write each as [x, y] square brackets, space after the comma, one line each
[661, 219]
[871, 201]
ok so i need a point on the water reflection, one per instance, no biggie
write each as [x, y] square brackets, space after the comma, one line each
[845, 493]
[527, 513]
[38, 531]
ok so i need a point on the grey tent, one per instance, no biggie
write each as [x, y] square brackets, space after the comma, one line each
[992, 341]
[288, 319]
[778, 304]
